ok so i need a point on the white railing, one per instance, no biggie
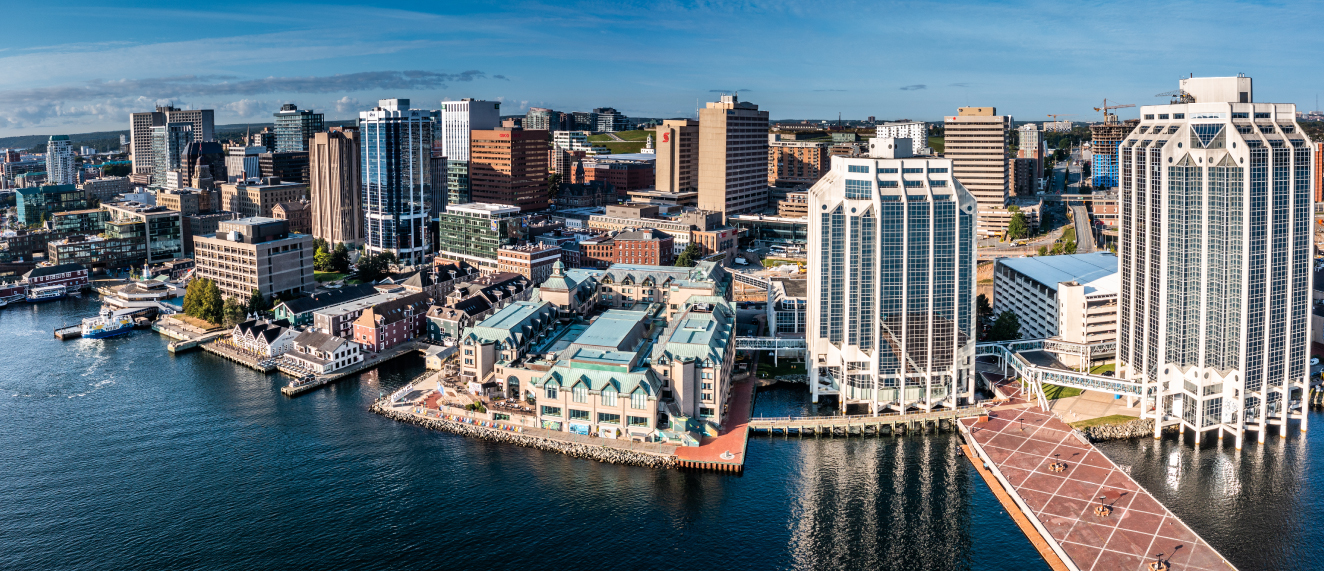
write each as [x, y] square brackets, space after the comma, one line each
[975, 408]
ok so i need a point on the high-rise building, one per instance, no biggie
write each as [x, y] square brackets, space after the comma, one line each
[1104, 140]
[916, 131]
[168, 144]
[584, 121]
[336, 186]
[242, 161]
[976, 140]
[610, 120]
[60, 167]
[509, 166]
[543, 119]
[1031, 147]
[397, 178]
[792, 162]
[209, 154]
[458, 119]
[1216, 260]
[678, 155]
[891, 285]
[733, 156]
[289, 166]
[294, 127]
[141, 124]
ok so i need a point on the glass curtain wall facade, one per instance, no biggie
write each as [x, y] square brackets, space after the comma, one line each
[397, 179]
[294, 127]
[891, 285]
[168, 145]
[1215, 261]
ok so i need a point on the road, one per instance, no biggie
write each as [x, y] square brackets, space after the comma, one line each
[1084, 235]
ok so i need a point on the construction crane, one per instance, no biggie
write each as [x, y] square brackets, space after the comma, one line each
[1178, 96]
[1111, 117]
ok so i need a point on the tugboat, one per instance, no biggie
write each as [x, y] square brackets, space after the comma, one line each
[108, 324]
[45, 293]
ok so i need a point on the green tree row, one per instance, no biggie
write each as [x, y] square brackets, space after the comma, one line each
[203, 300]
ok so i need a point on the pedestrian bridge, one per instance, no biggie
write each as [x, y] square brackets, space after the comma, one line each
[780, 346]
[862, 424]
[1035, 376]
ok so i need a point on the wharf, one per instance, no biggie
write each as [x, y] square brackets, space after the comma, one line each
[225, 349]
[318, 381]
[1073, 503]
[862, 424]
[726, 451]
[69, 332]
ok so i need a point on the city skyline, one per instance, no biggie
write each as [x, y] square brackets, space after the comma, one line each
[1026, 58]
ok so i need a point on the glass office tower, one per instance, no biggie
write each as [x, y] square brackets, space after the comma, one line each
[397, 178]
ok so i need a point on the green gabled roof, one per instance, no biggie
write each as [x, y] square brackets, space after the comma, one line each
[624, 383]
[512, 324]
[699, 336]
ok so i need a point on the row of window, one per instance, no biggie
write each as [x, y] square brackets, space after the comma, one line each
[603, 417]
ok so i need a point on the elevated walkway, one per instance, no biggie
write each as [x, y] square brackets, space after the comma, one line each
[1036, 374]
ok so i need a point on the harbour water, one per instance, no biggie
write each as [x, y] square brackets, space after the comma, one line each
[115, 454]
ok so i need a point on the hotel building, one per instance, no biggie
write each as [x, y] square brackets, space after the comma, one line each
[733, 156]
[398, 196]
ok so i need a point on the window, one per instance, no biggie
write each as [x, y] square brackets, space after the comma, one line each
[942, 170]
[609, 397]
[1163, 116]
[858, 168]
[937, 183]
[579, 393]
[638, 400]
[1178, 115]
[707, 374]
[609, 418]
[913, 170]
[551, 391]
[706, 412]
[578, 414]
[551, 411]
[1261, 115]
[858, 189]
[887, 184]
[886, 171]
[707, 386]
[1149, 116]
[708, 396]
[637, 420]
[1241, 116]
[913, 183]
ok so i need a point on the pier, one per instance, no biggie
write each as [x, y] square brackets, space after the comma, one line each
[225, 349]
[862, 424]
[1079, 509]
[307, 383]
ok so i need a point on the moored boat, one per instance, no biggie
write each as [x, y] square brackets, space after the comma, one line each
[46, 293]
[108, 323]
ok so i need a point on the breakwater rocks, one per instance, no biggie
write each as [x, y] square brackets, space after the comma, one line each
[1133, 429]
[599, 453]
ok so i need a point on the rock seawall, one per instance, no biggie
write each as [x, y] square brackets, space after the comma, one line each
[599, 453]
[1133, 429]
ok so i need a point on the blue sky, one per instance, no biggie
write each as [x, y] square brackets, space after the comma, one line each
[89, 68]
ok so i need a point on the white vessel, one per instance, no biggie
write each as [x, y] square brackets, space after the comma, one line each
[108, 323]
[45, 293]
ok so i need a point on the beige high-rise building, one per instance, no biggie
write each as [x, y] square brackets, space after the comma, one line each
[976, 141]
[256, 254]
[733, 156]
[336, 186]
[793, 162]
[677, 155]
[140, 130]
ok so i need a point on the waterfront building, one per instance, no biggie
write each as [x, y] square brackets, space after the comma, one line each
[975, 140]
[336, 186]
[733, 156]
[509, 166]
[787, 306]
[94, 251]
[87, 221]
[201, 122]
[298, 214]
[1216, 258]
[319, 353]
[71, 276]
[397, 179]
[291, 165]
[338, 318]
[299, 311]
[241, 161]
[263, 337]
[916, 131]
[257, 198]
[1071, 297]
[393, 322]
[60, 168]
[256, 254]
[677, 154]
[533, 261]
[891, 280]
[38, 203]
[294, 127]
[168, 143]
[159, 228]
[796, 162]
[458, 120]
[474, 232]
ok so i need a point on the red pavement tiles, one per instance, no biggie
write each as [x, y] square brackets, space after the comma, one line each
[1023, 443]
[732, 439]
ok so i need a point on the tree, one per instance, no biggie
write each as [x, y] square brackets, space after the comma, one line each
[320, 244]
[689, 256]
[1017, 228]
[232, 313]
[1069, 247]
[983, 311]
[1043, 250]
[340, 259]
[258, 302]
[1007, 327]
[322, 261]
[373, 266]
[191, 298]
[554, 185]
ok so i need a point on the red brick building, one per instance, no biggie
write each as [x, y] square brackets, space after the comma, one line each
[509, 166]
[648, 246]
[71, 276]
[533, 261]
[597, 252]
[391, 323]
[624, 174]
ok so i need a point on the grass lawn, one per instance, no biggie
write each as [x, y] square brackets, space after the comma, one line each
[327, 276]
[774, 262]
[937, 144]
[622, 148]
[1112, 419]
[199, 323]
[627, 135]
[353, 281]
[1101, 369]
[1054, 392]
[1069, 235]
[787, 367]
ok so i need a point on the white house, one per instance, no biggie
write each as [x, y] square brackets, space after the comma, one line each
[266, 338]
[320, 353]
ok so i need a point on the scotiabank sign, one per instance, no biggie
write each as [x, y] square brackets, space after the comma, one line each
[666, 137]
[504, 135]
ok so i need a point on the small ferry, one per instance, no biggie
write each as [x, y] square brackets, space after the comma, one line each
[109, 323]
[46, 293]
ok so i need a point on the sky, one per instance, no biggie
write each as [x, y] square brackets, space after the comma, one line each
[89, 69]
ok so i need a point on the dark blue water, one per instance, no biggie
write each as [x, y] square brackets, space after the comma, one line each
[116, 455]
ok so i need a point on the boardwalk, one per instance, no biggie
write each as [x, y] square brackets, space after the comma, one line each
[726, 451]
[860, 423]
[1020, 447]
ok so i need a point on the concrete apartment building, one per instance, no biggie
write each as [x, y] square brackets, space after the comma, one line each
[976, 141]
[533, 261]
[916, 131]
[793, 162]
[294, 127]
[255, 253]
[1072, 297]
[256, 198]
[891, 283]
[509, 166]
[733, 156]
[677, 165]
[141, 124]
[60, 168]
[458, 119]
[336, 186]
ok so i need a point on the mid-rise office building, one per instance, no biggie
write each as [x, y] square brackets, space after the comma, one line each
[160, 229]
[242, 161]
[256, 198]
[533, 261]
[891, 282]
[169, 142]
[975, 139]
[294, 127]
[398, 178]
[509, 166]
[733, 156]
[1216, 259]
[290, 166]
[256, 254]
[336, 186]
[38, 203]
[60, 167]
[793, 162]
[677, 155]
[585, 121]
[610, 120]
[202, 123]
[458, 119]
[475, 233]
[1071, 297]
[916, 131]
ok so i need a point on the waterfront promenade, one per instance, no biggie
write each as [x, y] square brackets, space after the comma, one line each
[1088, 512]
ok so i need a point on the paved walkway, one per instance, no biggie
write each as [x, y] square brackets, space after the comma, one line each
[1019, 447]
[1091, 404]
[726, 451]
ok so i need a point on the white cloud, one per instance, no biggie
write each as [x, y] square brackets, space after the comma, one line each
[347, 104]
